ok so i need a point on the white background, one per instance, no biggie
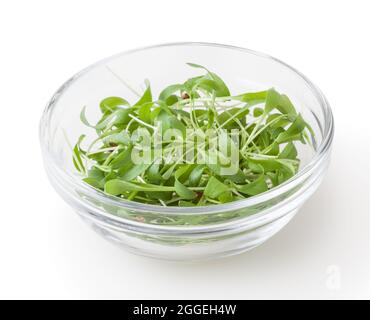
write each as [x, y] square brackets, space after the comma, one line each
[47, 252]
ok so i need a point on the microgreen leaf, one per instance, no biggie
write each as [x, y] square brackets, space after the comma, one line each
[110, 104]
[281, 102]
[117, 117]
[77, 156]
[121, 158]
[144, 112]
[285, 106]
[196, 175]
[95, 178]
[272, 100]
[215, 188]
[153, 173]
[117, 138]
[146, 97]
[217, 84]
[183, 191]
[117, 186]
[252, 98]
[180, 189]
[135, 171]
[256, 187]
[169, 91]
[232, 114]
[226, 197]
[84, 119]
[289, 152]
[293, 132]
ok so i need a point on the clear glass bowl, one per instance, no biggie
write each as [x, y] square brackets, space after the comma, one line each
[180, 233]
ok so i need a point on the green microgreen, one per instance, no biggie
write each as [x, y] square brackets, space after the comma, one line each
[192, 168]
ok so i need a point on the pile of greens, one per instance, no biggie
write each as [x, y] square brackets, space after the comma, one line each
[268, 126]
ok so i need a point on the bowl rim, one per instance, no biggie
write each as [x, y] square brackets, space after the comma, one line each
[305, 172]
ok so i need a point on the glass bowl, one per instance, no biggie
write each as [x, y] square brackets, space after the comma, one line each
[182, 233]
